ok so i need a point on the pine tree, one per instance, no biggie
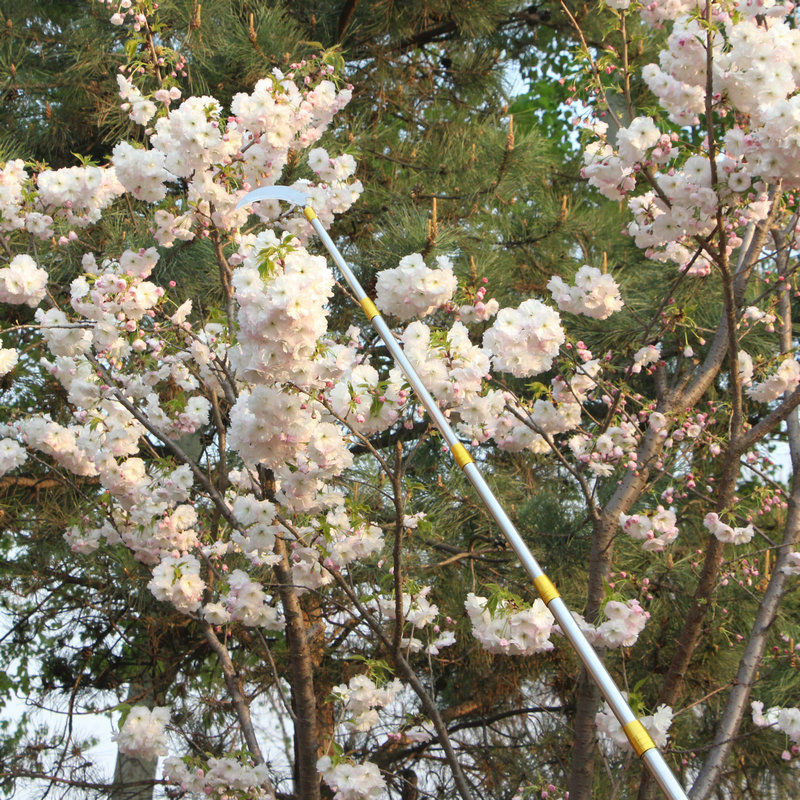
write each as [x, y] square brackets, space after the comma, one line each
[446, 173]
[449, 169]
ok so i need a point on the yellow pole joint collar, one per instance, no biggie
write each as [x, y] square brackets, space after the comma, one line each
[638, 737]
[370, 309]
[547, 591]
[461, 455]
[310, 213]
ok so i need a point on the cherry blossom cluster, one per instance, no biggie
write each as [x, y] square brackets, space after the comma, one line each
[411, 289]
[285, 432]
[331, 169]
[361, 698]
[603, 452]
[783, 380]
[364, 401]
[525, 340]
[594, 294]
[143, 733]
[724, 532]
[621, 628]
[785, 720]
[346, 538]
[657, 725]
[12, 455]
[352, 781]
[516, 424]
[9, 358]
[755, 76]
[450, 366]
[508, 628]
[282, 314]
[22, 281]
[480, 309]
[245, 602]
[218, 157]
[218, 776]
[427, 629]
[654, 531]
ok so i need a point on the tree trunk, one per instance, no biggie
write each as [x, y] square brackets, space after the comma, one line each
[304, 701]
[133, 778]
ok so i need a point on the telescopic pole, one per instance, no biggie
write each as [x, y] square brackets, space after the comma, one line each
[640, 739]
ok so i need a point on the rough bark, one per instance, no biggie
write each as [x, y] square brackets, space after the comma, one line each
[133, 778]
[304, 701]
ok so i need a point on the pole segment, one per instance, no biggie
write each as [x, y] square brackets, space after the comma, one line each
[639, 738]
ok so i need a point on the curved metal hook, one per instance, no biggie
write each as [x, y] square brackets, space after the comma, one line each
[274, 193]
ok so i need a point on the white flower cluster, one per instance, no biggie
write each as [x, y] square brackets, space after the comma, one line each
[279, 112]
[146, 526]
[784, 379]
[244, 602]
[12, 455]
[281, 430]
[554, 418]
[603, 453]
[622, 625]
[142, 735]
[177, 580]
[488, 415]
[638, 138]
[594, 294]
[282, 315]
[624, 622]
[141, 172]
[654, 531]
[343, 542]
[71, 447]
[418, 611]
[22, 281]
[366, 403]
[362, 698]
[510, 630]
[785, 720]
[725, 533]
[645, 356]
[605, 170]
[256, 517]
[791, 565]
[330, 169]
[582, 384]
[192, 139]
[450, 366]
[525, 340]
[86, 541]
[78, 194]
[756, 75]
[413, 290]
[478, 311]
[352, 781]
[220, 776]
[657, 725]
[12, 179]
[170, 227]
[62, 337]
[423, 617]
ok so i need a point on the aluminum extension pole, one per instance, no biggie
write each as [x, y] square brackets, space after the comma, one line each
[639, 738]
